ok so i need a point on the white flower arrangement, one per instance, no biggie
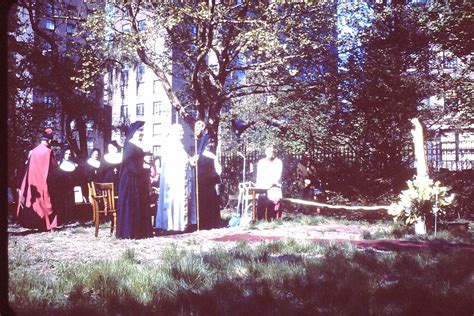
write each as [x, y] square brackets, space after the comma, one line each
[422, 197]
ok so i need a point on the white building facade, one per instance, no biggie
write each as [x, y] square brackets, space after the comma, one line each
[134, 92]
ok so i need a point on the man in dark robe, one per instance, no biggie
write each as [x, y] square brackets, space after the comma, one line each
[209, 171]
[35, 209]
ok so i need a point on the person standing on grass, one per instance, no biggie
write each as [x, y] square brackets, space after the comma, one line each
[35, 209]
[269, 171]
[66, 177]
[175, 209]
[111, 165]
[133, 220]
[91, 169]
[155, 175]
[209, 170]
[92, 166]
[149, 167]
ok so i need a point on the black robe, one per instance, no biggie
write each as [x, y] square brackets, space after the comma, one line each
[133, 216]
[89, 173]
[209, 215]
[92, 173]
[111, 173]
[62, 192]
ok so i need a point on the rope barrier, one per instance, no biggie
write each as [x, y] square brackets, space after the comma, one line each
[366, 208]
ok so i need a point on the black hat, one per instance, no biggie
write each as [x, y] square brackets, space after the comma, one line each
[133, 128]
[115, 144]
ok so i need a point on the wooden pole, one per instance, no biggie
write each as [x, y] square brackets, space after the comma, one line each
[198, 127]
[196, 183]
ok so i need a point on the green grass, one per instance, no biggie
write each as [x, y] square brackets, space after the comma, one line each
[273, 278]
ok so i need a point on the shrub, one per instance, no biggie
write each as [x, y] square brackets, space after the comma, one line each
[422, 198]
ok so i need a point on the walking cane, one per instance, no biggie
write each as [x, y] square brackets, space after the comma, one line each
[198, 128]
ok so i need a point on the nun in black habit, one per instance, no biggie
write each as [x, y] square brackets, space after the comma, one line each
[133, 217]
[64, 179]
[111, 165]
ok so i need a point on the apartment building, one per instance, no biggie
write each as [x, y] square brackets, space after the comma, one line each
[452, 146]
[50, 29]
[134, 92]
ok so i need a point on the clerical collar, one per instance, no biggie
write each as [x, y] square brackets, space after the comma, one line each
[94, 163]
[68, 165]
[113, 158]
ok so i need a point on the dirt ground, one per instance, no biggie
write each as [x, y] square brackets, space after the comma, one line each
[77, 243]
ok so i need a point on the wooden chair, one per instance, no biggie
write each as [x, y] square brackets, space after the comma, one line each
[103, 204]
[89, 189]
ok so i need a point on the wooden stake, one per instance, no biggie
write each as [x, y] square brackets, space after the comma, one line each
[198, 128]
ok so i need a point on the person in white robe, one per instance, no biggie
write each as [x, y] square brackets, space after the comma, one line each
[175, 209]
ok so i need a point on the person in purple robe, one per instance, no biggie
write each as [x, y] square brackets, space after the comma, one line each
[133, 216]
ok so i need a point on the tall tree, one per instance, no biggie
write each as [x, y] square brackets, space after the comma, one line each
[449, 24]
[385, 83]
[41, 88]
[22, 127]
[222, 51]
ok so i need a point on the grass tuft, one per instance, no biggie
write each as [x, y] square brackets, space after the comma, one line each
[283, 277]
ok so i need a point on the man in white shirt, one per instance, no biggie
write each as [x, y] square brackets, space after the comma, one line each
[269, 171]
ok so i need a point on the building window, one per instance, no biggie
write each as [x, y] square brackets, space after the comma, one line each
[450, 101]
[49, 25]
[157, 108]
[194, 30]
[49, 9]
[140, 109]
[156, 151]
[70, 28]
[109, 37]
[126, 27]
[124, 111]
[156, 86]
[141, 25]
[90, 126]
[214, 68]
[46, 47]
[124, 76]
[49, 101]
[140, 72]
[156, 129]
[140, 89]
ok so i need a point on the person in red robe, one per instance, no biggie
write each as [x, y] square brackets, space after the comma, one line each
[35, 209]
